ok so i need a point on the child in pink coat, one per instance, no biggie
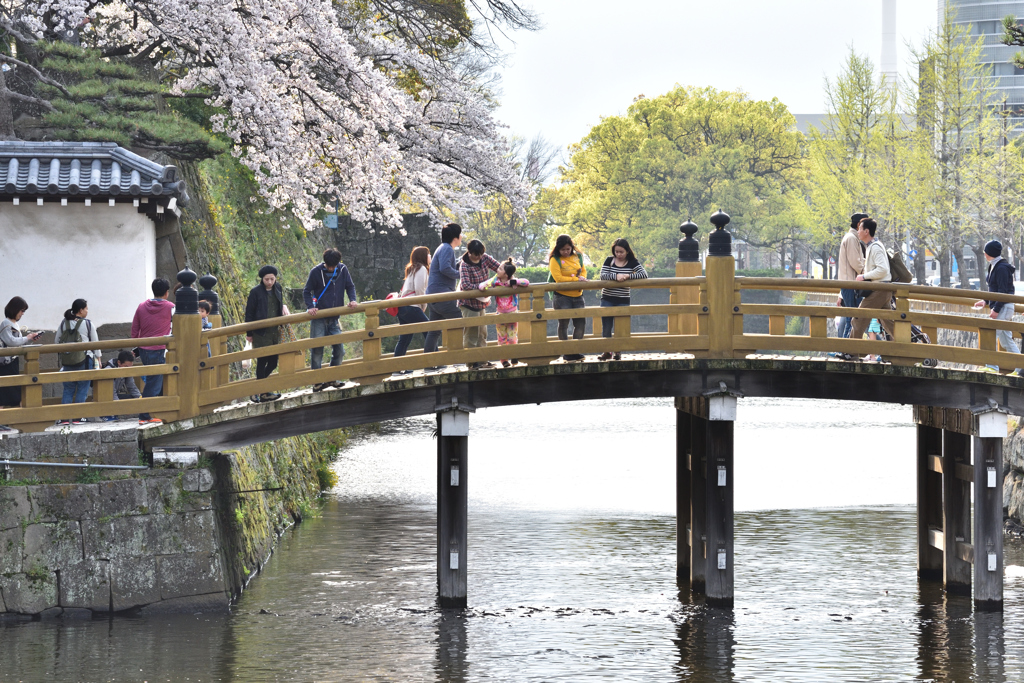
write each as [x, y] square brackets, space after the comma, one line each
[508, 333]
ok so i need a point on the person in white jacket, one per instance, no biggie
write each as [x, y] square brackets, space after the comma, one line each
[876, 269]
[76, 320]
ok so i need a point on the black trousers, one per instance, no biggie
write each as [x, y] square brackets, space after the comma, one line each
[265, 366]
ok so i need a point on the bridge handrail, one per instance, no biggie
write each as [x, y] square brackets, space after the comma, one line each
[925, 293]
[378, 305]
[104, 345]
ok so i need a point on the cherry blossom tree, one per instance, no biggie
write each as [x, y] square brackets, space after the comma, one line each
[371, 103]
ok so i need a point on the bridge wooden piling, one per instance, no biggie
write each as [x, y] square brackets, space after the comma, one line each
[452, 507]
[683, 455]
[988, 522]
[929, 503]
[698, 505]
[956, 510]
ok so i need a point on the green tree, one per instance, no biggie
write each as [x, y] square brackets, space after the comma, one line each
[683, 154]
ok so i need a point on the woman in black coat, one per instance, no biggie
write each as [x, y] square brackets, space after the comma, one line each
[266, 300]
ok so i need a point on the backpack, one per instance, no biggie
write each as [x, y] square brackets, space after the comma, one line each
[898, 271]
[70, 335]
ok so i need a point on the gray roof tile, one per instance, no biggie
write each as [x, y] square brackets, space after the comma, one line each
[68, 169]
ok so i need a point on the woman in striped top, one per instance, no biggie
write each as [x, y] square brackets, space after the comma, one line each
[622, 265]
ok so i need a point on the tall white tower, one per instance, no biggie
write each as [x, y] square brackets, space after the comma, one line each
[889, 69]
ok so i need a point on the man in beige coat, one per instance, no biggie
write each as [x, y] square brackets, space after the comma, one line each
[851, 264]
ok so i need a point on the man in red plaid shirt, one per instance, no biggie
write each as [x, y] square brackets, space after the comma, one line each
[472, 271]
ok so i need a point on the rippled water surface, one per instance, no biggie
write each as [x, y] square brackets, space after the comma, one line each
[572, 567]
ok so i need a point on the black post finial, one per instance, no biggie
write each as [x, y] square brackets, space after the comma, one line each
[689, 248]
[720, 241]
[186, 298]
[208, 282]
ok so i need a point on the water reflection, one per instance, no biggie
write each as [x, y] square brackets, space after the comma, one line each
[451, 666]
[707, 644]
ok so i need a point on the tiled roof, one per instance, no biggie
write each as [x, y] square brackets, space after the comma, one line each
[68, 169]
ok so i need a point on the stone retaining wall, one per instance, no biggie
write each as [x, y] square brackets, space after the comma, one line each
[147, 542]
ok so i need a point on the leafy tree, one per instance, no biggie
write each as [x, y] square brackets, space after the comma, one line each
[683, 154]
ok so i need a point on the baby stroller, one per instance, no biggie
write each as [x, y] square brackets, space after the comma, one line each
[917, 336]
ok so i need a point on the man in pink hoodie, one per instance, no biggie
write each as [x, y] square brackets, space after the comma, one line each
[153, 319]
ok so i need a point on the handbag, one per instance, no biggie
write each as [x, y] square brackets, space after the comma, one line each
[394, 309]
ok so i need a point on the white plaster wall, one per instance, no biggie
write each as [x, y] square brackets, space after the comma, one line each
[51, 255]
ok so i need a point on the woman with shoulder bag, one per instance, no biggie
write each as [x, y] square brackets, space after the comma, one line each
[416, 273]
[11, 337]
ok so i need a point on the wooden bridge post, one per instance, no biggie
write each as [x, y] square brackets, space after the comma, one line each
[683, 493]
[687, 265]
[956, 511]
[988, 510]
[698, 503]
[929, 503]
[721, 274]
[187, 329]
[452, 504]
[719, 479]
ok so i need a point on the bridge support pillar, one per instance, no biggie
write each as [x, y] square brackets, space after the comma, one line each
[683, 438]
[719, 480]
[956, 511]
[929, 503]
[452, 506]
[698, 503]
[988, 511]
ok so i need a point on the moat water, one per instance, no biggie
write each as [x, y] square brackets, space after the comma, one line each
[572, 567]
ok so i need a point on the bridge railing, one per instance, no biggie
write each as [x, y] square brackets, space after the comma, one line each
[705, 316]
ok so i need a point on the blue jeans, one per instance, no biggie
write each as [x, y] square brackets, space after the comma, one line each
[443, 310]
[1005, 337]
[608, 324]
[850, 300]
[154, 383]
[408, 315]
[77, 392]
[325, 327]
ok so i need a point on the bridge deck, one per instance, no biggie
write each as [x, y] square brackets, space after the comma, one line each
[649, 375]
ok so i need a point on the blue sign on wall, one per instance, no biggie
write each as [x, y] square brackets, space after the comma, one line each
[331, 222]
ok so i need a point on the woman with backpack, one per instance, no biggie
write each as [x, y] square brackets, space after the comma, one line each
[266, 300]
[566, 265]
[76, 328]
[11, 337]
[622, 265]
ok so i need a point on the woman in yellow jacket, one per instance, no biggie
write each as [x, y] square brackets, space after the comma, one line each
[566, 264]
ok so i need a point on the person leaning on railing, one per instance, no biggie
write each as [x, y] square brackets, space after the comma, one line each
[876, 269]
[444, 275]
[566, 265]
[475, 268]
[622, 265]
[11, 337]
[1000, 280]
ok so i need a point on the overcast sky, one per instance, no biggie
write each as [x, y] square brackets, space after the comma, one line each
[592, 57]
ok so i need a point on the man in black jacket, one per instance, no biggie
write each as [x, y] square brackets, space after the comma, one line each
[326, 287]
[1000, 280]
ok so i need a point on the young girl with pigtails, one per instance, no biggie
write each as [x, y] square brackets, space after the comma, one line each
[508, 333]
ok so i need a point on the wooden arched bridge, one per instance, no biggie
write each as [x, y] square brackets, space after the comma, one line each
[704, 359]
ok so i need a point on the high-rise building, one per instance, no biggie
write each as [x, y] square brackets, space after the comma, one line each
[986, 19]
